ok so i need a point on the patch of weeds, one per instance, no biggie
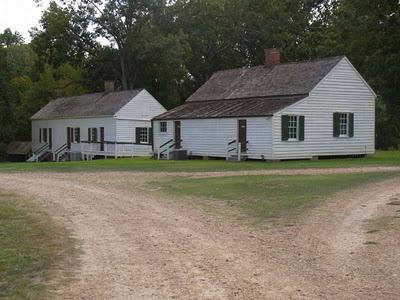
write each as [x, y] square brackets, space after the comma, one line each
[31, 249]
[378, 224]
[278, 199]
[370, 243]
[372, 231]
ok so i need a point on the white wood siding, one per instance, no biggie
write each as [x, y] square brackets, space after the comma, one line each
[120, 128]
[343, 90]
[143, 107]
[59, 128]
[209, 137]
[162, 137]
[126, 132]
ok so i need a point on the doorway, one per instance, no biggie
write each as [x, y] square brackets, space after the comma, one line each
[177, 134]
[242, 134]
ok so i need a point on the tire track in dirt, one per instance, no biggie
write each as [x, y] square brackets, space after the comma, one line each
[136, 246]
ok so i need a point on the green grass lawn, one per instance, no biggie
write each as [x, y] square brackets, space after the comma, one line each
[265, 197]
[382, 158]
[30, 246]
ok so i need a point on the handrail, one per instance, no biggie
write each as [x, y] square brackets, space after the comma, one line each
[166, 143]
[232, 150]
[164, 151]
[41, 149]
[231, 142]
[176, 143]
[61, 149]
[113, 143]
[161, 151]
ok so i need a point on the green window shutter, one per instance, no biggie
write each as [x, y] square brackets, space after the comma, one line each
[301, 128]
[95, 135]
[351, 125]
[151, 135]
[137, 135]
[336, 124]
[40, 135]
[78, 135]
[88, 135]
[285, 127]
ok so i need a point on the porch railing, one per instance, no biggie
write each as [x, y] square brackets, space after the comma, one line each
[109, 148]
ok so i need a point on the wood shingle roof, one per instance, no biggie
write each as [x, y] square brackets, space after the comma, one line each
[90, 105]
[256, 91]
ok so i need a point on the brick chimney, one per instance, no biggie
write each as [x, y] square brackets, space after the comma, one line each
[272, 57]
[57, 93]
[109, 86]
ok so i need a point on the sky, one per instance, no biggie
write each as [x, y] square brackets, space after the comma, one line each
[21, 15]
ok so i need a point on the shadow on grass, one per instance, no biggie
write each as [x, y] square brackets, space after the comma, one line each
[33, 251]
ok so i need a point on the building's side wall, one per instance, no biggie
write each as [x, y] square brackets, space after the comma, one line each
[126, 132]
[143, 107]
[162, 137]
[59, 128]
[209, 137]
[342, 90]
[137, 113]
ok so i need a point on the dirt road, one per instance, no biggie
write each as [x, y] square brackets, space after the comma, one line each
[136, 246]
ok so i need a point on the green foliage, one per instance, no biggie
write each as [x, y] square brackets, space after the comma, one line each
[62, 38]
[367, 31]
[9, 38]
[172, 47]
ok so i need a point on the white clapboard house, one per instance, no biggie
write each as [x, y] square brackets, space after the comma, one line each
[105, 124]
[274, 111]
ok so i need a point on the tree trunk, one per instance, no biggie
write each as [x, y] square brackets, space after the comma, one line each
[124, 76]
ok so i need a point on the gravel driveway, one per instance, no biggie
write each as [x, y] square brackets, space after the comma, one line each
[137, 246]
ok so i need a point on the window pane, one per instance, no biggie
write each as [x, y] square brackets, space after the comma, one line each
[144, 135]
[293, 124]
[343, 124]
[163, 126]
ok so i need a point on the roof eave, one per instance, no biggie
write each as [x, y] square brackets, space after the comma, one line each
[72, 117]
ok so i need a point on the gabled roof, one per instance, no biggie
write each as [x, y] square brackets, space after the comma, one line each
[261, 81]
[90, 105]
[256, 91]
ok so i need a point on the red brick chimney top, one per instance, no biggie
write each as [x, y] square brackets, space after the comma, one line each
[109, 86]
[272, 57]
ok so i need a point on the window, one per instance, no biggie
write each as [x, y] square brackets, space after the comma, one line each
[343, 124]
[163, 127]
[44, 130]
[93, 137]
[92, 134]
[77, 135]
[293, 127]
[144, 135]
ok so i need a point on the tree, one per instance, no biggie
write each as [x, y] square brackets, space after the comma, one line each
[9, 38]
[62, 39]
[367, 31]
[120, 21]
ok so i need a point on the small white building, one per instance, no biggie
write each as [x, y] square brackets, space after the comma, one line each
[275, 111]
[115, 124]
